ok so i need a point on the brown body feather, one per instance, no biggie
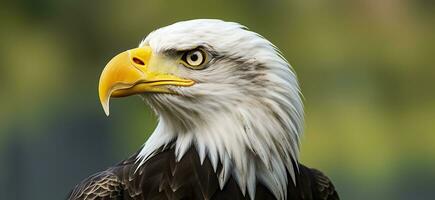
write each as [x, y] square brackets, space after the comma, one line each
[162, 178]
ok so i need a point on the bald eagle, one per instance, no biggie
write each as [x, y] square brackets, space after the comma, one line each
[230, 119]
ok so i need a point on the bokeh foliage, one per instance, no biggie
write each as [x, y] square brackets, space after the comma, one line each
[366, 69]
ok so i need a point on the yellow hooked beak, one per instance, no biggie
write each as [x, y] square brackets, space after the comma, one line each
[130, 72]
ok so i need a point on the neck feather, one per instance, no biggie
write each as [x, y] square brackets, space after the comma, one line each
[255, 142]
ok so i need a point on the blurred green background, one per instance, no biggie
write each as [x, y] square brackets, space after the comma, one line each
[366, 69]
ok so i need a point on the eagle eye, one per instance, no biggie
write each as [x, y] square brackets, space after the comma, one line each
[194, 58]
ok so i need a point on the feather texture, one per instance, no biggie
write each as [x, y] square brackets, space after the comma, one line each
[163, 178]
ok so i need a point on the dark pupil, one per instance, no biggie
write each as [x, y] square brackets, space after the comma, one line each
[194, 57]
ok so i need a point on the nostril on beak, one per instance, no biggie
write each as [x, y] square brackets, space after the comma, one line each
[138, 61]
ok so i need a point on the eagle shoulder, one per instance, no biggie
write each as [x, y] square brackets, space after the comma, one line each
[322, 187]
[102, 185]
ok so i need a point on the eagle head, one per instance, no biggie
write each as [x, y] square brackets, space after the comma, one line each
[221, 88]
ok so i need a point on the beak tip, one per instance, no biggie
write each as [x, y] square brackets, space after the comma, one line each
[106, 109]
[107, 112]
[105, 105]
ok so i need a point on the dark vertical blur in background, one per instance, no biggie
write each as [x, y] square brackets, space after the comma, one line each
[366, 69]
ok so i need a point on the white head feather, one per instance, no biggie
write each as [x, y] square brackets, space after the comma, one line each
[245, 110]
